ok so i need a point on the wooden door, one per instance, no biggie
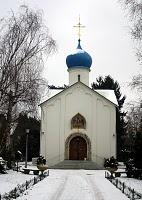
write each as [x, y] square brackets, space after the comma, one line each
[77, 149]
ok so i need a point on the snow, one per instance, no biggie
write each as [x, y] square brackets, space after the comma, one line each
[77, 51]
[68, 185]
[104, 189]
[11, 180]
[108, 94]
[133, 183]
[74, 185]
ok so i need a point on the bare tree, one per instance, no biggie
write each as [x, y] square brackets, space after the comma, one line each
[134, 8]
[24, 39]
[137, 83]
[134, 11]
[134, 117]
[134, 123]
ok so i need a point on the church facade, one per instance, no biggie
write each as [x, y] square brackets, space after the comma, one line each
[78, 123]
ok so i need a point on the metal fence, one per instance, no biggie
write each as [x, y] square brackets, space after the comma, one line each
[129, 192]
[17, 191]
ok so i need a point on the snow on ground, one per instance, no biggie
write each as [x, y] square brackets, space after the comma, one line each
[74, 185]
[103, 188]
[61, 184]
[68, 185]
[132, 183]
[11, 180]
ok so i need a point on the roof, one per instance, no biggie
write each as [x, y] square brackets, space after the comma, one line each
[107, 94]
[79, 58]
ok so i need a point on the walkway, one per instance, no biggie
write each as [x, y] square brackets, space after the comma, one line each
[74, 185]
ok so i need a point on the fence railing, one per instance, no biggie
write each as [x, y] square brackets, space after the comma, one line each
[129, 192]
[17, 191]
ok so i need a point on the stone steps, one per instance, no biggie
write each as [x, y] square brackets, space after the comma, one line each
[76, 164]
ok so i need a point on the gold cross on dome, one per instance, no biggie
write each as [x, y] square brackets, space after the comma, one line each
[79, 26]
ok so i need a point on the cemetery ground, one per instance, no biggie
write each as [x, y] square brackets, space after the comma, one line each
[68, 185]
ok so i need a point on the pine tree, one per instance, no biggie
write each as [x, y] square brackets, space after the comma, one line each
[138, 151]
[19, 136]
[108, 83]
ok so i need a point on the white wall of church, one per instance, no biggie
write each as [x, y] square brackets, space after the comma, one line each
[56, 123]
[73, 76]
[50, 135]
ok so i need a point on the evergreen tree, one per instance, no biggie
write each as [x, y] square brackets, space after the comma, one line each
[138, 143]
[138, 151]
[108, 83]
[2, 129]
[19, 136]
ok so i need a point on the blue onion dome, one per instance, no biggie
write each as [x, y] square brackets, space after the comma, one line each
[79, 59]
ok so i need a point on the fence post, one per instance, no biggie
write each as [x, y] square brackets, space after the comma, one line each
[123, 187]
[34, 180]
[26, 185]
[119, 185]
[116, 183]
[0, 196]
[133, 194]
[15, 190]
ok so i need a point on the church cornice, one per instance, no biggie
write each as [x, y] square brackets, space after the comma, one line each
[77, 83]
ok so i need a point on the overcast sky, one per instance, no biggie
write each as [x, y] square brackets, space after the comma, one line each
[106, 37]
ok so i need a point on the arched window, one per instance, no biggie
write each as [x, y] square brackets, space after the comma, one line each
[78, 121]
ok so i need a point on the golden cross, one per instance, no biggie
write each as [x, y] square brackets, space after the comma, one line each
[79, 26]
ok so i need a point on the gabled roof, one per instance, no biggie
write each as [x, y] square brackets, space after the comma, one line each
[107, 94]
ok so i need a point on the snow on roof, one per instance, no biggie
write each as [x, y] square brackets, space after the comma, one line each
[53, 92]
[108, 94]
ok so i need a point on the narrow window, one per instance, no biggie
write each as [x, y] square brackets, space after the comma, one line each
[78, 77]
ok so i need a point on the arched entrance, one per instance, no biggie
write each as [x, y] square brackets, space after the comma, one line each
[71, 146]
[77, 149]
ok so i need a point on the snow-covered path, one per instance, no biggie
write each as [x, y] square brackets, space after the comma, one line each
[74, 185]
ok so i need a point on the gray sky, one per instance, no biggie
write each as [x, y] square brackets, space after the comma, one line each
[106, 37]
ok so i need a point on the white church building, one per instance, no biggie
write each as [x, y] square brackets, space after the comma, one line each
[78, 123]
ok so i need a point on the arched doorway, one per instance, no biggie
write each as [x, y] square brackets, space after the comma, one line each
[70, 138]
[77, 148]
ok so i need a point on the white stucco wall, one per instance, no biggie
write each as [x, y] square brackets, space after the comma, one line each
[57, 112]
[73, 75]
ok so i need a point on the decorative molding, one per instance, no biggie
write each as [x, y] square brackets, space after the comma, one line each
[78, 121]
[89, 94]
[70, 137]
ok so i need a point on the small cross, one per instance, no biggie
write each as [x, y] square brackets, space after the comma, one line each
[79, 26]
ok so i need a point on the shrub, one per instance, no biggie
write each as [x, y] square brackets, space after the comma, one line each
[41, 160]
[110, 162]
